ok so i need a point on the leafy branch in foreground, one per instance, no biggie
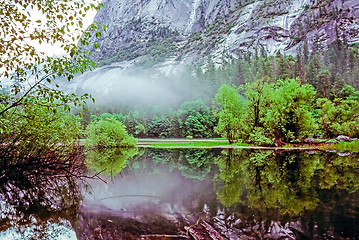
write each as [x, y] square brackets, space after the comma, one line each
[55, 22]
[28, 87]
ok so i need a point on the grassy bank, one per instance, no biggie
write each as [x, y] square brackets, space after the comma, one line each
[185, 143]
[344, 146]
[223, 143]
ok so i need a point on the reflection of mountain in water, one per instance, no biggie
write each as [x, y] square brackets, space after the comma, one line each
[245, 194]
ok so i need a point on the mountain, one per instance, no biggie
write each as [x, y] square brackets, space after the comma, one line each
[150, 43]
[149, 32]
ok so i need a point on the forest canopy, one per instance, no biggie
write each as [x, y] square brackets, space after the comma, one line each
[258, 98]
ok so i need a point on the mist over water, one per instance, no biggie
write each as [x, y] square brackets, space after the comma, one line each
[279, 195]
[241, 192]
[121, 87]
[136, 193]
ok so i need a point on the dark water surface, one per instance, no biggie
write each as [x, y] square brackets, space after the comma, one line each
[243, 194]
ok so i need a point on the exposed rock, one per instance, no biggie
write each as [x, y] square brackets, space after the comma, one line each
[331, 142]
[309, 140]
[331, 150]
[344, 153]
[189, 31]
[165, 36]
[342, 138]
[279, 232]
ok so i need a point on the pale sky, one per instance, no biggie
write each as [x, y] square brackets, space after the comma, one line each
[55, 50]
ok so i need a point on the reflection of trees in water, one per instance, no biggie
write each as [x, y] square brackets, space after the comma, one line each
[291, 185]
[281, 181]
[195, 163]
[192, 163]
[341, 171]
[39, 187]
[284, 193]
[109, 161]
[159, 156]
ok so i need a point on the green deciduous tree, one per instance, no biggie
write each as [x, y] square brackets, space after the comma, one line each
[280, 111]
[257, 96]
[289, 116]
[230, 111]
[118, 117]
[349, 93]
[195, 119]
[159, 127]
[28, 69]
[257, 103]
[339, 117]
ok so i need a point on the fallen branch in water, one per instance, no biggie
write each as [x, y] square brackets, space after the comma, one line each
[203, 231]
[164, 236]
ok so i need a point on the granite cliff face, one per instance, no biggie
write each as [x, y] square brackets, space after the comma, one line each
[167, 32]
[162, 37]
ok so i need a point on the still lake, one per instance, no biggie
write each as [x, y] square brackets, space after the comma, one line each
[242, 193]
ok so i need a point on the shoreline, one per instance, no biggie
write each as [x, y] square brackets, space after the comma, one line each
[223, 144]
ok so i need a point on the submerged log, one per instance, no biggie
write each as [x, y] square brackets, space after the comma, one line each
[203, 231]
[163, 236]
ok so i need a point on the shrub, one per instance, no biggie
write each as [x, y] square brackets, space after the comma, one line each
[108, 133]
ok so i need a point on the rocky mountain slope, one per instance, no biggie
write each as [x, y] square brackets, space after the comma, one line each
[149, 32]
[149, 43]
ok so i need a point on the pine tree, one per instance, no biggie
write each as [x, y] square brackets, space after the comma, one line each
[305, 52]
[242, 72]
[266, 70]
[211, 75]
[324, 86]
[263, 52]
[131, 123]
[282, 66]
[338, 84]
[312, 70]
[299, 68]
